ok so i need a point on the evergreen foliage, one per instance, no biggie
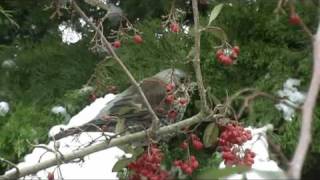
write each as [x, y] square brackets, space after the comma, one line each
[50, 72]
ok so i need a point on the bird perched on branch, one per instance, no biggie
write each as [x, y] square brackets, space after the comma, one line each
[167, 93]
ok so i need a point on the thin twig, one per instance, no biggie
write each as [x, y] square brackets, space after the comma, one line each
[196, 62]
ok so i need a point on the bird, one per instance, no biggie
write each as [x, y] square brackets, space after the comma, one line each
[167, 93]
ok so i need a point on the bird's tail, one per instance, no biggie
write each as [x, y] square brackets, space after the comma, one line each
[92, 126]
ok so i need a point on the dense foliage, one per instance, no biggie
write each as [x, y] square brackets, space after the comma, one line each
[49, 72]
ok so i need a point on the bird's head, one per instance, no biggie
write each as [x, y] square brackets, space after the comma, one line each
[168, 75]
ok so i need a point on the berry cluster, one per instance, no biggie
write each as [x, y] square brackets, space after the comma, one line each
[187, 166]
[230, 143]
[148, 166]
[137, 39]
[227, 56]
[196, 143]
[172, 100]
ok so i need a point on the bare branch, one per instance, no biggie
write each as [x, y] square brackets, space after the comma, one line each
[196, 62]
[32, 169]
[307, 113]
[155, 122]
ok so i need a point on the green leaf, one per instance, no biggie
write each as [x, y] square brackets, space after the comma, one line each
[214, 173]
[215, 12]
[122, 163]
[210, 136]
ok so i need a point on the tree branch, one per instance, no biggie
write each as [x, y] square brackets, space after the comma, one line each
[155, 122]
[196, 62]
[32, 169]
[307, 113]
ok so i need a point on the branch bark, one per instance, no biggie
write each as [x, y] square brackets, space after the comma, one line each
[32, 169]
[155, 122]
[196, 62]
[296, 164]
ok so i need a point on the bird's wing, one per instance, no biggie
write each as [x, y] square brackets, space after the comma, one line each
[131, 106]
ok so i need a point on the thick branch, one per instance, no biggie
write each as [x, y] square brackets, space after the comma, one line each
[196, 62]
[307, 113]
[32, 169]
[107, 45]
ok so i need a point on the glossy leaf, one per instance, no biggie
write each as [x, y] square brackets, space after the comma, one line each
[210, 136]
[122, 163]
[215, 12]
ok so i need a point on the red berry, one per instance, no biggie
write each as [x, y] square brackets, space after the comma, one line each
[188, 170]
[169, 99]
[235, 52]
[184, 145]
[177, 163]
[183, 101]
[236, 49]
[184, 166]
[193, 158]
[219, 53]
[226, 60]
[172, 114]
[233, 55]
[117, 44]
[137, 39]
[174, 27]
[194, 164]
[170, 87]
[197, 144]
[294, 19]
[50, 176]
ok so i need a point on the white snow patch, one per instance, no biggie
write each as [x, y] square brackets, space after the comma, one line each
[262, 162]
[4, 108]
[59, 110]
[294, 98]
[82, 22]
[186, 29]
[95, 166]
[8, 64]
[69, 35]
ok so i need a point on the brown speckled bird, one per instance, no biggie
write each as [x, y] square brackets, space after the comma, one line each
[166, 93]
